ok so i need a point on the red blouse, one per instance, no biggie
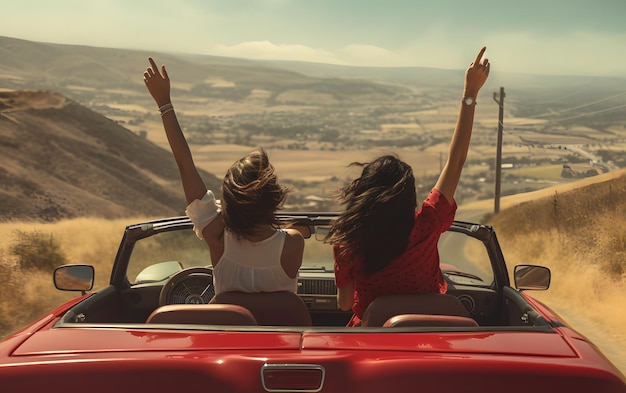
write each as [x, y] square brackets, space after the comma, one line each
[415, 271]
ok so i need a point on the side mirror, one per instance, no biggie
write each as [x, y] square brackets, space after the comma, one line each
[74, 277]
[531, 277]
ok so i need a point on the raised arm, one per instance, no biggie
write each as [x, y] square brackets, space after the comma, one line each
[475, 76]
[158, 84]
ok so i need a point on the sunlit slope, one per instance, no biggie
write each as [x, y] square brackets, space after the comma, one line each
[579, 232]
[62, 160]
[584, 221]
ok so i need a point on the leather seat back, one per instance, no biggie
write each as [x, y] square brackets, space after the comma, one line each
[270, 308]
[203, 314]
[387, 306]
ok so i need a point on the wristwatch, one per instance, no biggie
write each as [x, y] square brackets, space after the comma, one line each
[469, 101]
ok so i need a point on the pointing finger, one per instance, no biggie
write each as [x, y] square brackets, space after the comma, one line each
[153, 65]
[480, 55]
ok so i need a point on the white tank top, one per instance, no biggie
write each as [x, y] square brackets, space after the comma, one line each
[252, 266]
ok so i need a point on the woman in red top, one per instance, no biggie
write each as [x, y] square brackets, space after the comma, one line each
[381, 245]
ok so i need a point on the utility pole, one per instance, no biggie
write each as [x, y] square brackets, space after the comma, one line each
[500, 103]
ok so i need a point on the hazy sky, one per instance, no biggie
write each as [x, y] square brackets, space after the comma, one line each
[584, 37]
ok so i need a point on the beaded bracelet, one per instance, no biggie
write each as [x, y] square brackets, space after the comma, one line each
[166, 108]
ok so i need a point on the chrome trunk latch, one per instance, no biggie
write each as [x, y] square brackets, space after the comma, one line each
[292, 377]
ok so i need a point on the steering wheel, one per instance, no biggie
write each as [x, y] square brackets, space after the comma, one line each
[193, 285]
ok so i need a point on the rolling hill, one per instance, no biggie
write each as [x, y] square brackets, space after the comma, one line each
[61, 160]
[61, 68]
[578, 230]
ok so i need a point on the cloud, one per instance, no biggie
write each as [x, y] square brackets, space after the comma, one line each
[352, 54]
[267, 50]
[370, 55]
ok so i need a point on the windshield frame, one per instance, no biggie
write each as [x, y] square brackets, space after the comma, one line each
[136, 232]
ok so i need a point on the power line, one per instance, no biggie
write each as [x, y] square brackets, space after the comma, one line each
[582, 106]
[573, 117]
[591, 113]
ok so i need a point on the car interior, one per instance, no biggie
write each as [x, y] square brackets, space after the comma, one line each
[166, 282]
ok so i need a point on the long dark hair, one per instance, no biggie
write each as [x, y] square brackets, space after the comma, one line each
[379, 213]
[251, 194]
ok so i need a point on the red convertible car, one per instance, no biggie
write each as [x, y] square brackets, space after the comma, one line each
[158, 327]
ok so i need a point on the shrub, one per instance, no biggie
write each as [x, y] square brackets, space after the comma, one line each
[37, 250]
[11, 293]
[616, 267]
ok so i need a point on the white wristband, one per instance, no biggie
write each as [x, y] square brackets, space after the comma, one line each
[164, 111]
[166, 107]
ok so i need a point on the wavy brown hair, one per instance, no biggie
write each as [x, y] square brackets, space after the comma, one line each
[379, 213]
[251, 194]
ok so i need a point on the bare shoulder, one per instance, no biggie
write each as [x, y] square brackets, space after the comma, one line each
[294, 241]
[294, 236]
[291, 258]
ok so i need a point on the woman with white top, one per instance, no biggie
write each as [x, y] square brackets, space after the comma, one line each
[249, 251]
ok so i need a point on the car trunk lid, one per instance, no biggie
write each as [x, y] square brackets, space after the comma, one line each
[81, 340]
[531, 343]
[111, 339]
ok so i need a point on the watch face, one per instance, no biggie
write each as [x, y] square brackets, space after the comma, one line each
[468, 100]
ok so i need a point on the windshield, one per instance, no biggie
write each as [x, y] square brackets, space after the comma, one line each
[464, 254]
[459, 253]
[181, 246]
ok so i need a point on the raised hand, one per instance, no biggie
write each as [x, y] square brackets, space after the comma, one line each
[476, 74]
[158, 83]
[475, 78]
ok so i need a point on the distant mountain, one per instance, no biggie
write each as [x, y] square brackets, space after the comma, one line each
[72, 69]
[43, 66]
[415, 76]
[59, 159]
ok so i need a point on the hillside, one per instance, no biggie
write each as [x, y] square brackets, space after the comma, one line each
[587, 217]
[579, 232]
[75, 70]
[36, 65]
[61, 160]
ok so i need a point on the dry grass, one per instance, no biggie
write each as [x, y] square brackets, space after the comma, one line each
[581, 236]
[27, 295]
